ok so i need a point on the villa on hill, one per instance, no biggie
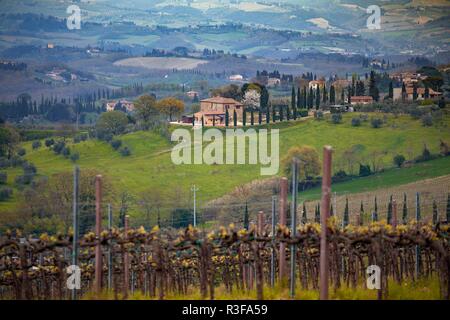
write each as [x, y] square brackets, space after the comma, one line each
[213, 111]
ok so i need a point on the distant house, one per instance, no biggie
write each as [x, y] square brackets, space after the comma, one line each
[361, 100]
[192, 94]
[50, 46]
[236, 77]
[213, 111]
[120, 105]
[314, 84]
[273, 82]
[420, 93]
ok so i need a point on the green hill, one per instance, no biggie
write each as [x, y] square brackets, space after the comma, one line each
[150, 166]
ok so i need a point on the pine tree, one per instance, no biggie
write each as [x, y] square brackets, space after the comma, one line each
[227, 118]
[405, 210]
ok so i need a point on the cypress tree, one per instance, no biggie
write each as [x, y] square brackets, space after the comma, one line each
[268, 114]
[389, 211]
[244, 117]
[448, 208]
[346, 219]
[252, 119]
[435, 213]
[293, 100]
[317, 97]
[214, 121]
[325, 94]
[361, 214]
[405, 210]
[273, 114]
[304, 104]
[288, 113]
[391, 90]
[311, 98]
[304, 217]
[235, 118]
[415, 95]
[332, 95]
[227, 118]
[246, 218]
[404, 94]
[203, 122]
[280, 113]
[299, 98]
[259, 116]
[193, 120]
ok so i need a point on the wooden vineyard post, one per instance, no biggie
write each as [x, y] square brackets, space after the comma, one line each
[75, 209]
[98, 230]
[282, 218]
[126, 276]
[418, 261]
[272, 259]
[259, 263]
[293, 226]
[325, 207]
[110, 250]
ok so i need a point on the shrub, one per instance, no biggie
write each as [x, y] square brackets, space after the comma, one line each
[116, 144]
[356, 122]
[66, 152]
[336, 118]
[364, 117]
[36, 144]
[59, 146]
[302, 112]
[399, 160]
[5, 193]
[75, 156]
[29, 168]
[3, 177]
[49, 143]
[364, 170]
[24, 179]
[376, 123]
[21, 152]
[425, 156]
[125, 152]
[427, 120]
[318, 115]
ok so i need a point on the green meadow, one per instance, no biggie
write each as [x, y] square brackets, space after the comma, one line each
[150, 166]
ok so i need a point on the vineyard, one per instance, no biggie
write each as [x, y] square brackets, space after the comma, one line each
[312, 255]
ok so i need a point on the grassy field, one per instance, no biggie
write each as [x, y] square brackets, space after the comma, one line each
[161, 63]
[150, 166]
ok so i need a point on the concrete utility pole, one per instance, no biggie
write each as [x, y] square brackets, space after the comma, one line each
[194, 189]
[76, 190]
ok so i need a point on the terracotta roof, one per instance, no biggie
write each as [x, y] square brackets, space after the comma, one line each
[361, 98]
[210, 113]
[221, 100]
[410, 90]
